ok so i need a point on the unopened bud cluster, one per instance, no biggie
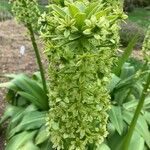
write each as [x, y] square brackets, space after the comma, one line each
[26, 11]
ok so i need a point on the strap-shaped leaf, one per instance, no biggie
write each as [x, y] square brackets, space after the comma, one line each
[42, 136]
[127, 71]
[10, 111]
[125, 56]
[103, 146]
[29, 146]
[113, 83]
[59, 11]
[17, 117]
[90, 8]
[31, 120]
[80, 17]
[29, 89]
[9, 85]
[30, 86]
[47, 145]
[116, 118]
[147, 117]
[37, 102]
[137, 142]
[73, 10]
[141, 126]
[20, 139]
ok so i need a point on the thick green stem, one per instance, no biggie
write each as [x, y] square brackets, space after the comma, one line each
[29, 26]
[126, 142]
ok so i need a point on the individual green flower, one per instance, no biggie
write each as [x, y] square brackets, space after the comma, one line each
[26, 11]
[146, 46]
[81, 40]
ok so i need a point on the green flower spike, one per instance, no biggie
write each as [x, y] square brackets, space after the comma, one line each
[81, 40]
[26, 11]
[146, 46]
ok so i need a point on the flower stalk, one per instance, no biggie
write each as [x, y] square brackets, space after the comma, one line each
[27, 12]
[146, 56]
[126, 142]
[38, 58]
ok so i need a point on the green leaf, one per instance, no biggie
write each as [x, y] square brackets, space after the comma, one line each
[137, 142]
[33, 100]
[100, 14]
[127, 71]
[41, 136]
[92, 8]
[114, 81]
[29, 146]
[19, 140]
[37, 76]
[121, 95]
[9, 85]
[147, 104]
[17, 117]
[73, 10]
[10, 111]
[30, 89]
[11, 76]
[103, 146]
[31, 120]
[47, 145]
[141, 126]
[147, 117]
[115, 141]
[116, 118]
[59, 11]
[125, 56]
[80, 17]
[30, 86]
[130, 105]
[127, 83]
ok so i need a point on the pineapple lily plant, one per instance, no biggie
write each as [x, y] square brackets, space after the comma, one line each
[88, 100]
[79, 38]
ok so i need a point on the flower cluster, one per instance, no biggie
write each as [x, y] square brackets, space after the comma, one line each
[26, 11]
[81, 40]
[146, 46]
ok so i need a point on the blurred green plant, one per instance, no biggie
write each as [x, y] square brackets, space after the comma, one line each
[127, 33]
[5, 9]
[141, 17]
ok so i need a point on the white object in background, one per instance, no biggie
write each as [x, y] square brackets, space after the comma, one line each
[22, 50]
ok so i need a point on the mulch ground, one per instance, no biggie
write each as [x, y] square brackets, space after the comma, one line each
[12, 38]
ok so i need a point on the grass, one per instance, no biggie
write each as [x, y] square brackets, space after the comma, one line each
[141, 17]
